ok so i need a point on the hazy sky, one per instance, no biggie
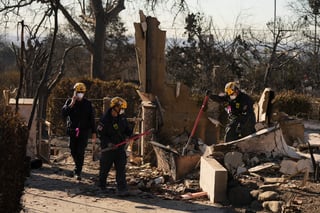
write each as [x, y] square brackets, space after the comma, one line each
[225, 13]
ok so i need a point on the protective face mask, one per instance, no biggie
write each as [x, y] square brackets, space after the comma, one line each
[121, 111]
[80, 95]
[232, 97]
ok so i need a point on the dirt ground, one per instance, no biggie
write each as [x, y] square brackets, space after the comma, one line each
[52, 189]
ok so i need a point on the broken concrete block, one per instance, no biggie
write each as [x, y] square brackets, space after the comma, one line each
[269, 187]
[305, 165]
[269, 141]
[241, 169]
[255, 193]
[232, 160]
[268, 195]
[213, 179]
[254, 161]
[274, 180]
[313, 139]
[292, 129]
[288, 167]
[259, 126]
[273, 206]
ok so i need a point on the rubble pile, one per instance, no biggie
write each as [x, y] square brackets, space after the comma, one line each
[274, 169]
[265, 172]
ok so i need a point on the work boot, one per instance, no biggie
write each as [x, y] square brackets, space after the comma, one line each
[102, 187]
[123, 193]
[78, 177]
[76, 174]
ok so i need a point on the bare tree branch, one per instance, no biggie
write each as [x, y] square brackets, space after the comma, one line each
[4, 6]
[76, 26]
[62, 67]
[47, 69]
[115, 10]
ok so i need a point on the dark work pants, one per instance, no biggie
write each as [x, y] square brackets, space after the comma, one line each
[77, 147]
[231, 132]
[117, 157]
[246, 128]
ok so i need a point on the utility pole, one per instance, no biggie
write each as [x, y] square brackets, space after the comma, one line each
[21, 65]
[315, 6]
[274, 20]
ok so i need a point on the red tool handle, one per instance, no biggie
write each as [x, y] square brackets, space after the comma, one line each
[128, 140]
[134, 137]
[205, 100]
[199, 115]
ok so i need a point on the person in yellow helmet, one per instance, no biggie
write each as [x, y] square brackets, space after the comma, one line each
[80, 116]
[239, 107]
[113, 128]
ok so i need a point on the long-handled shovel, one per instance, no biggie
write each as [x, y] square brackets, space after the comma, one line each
[204, 103]
[97, 153]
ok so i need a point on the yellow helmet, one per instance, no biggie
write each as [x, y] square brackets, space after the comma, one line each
[80, 87]
[230, 88]
[117, 101]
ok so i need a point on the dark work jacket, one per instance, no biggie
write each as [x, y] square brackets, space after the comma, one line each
[114, 129]
[240, 110]
[81, 115]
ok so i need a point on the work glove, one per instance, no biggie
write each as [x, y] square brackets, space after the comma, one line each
[112, 146]
[100, 130]
[238, 129]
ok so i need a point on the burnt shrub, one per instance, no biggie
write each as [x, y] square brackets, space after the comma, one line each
[292, 103]
[13, 142]
[96, 91]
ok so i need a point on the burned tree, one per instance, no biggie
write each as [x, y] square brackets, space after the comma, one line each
[95, 17]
